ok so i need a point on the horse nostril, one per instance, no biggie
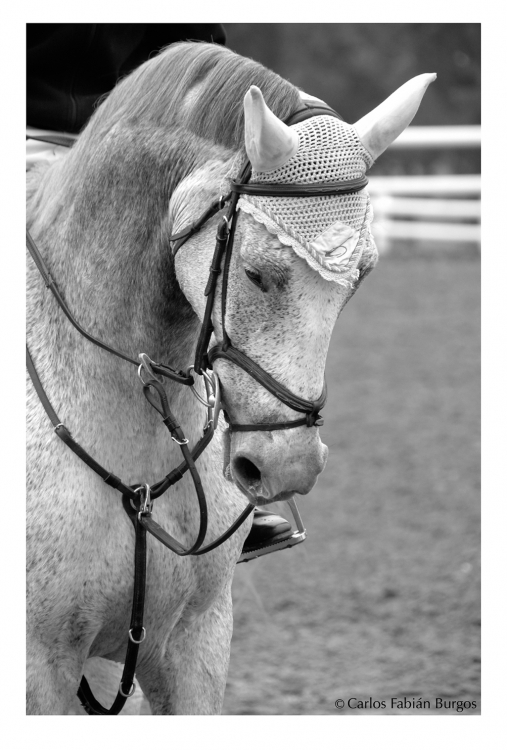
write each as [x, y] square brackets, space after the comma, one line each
[246, 472]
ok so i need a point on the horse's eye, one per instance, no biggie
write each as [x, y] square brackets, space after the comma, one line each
[255, 278]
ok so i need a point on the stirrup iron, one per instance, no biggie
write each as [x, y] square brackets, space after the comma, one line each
[296, 538]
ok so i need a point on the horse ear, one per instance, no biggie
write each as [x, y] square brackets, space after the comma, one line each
[380, 127]
[269, 142]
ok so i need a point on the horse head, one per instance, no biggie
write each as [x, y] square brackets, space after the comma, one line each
[296, 262]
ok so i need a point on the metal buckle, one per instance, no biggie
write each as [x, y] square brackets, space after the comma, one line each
[214, 400]
[142, 637]
[180, 442]
[146, 363]
[208, 383]
[213, 396]
[130, 694]
[147, 502]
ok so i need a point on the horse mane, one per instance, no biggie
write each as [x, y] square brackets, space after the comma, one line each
[179, 109]
[196, 85]
[108, 198]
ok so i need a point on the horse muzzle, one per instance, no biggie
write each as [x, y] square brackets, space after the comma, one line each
[272, 466]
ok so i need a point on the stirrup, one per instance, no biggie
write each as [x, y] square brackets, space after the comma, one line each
[296, 538]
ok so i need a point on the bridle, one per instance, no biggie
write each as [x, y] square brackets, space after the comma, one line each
[138, 499]
[204, 359]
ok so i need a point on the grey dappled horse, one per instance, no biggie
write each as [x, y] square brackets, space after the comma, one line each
[152, 158]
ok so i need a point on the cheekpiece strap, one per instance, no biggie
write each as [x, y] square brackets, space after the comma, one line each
[180, 238]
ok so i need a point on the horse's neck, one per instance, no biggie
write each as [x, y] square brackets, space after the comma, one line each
[132, 303]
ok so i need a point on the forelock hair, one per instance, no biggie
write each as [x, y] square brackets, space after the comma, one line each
[199, 86]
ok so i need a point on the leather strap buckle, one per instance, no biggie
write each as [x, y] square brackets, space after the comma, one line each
[146, 364]
[146, 501]
[180, 442]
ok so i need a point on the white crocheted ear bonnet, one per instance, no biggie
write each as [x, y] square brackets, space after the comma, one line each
[329, 232]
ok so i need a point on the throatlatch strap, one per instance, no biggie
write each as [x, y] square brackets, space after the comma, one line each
[180, 238]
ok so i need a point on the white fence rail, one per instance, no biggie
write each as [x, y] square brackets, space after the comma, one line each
[439, 136]
[433, 208]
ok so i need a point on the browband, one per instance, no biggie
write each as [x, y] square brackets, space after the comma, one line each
[299, 190]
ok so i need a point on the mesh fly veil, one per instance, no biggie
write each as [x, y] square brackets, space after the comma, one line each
[329, 232]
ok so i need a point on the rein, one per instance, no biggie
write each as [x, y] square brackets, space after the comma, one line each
[138, 500]
[165, 370]
[138, 504]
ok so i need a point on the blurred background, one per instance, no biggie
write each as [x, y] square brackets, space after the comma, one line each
[382, 600]
[355, 66]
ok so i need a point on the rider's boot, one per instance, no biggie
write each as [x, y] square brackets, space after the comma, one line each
[269, 533]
